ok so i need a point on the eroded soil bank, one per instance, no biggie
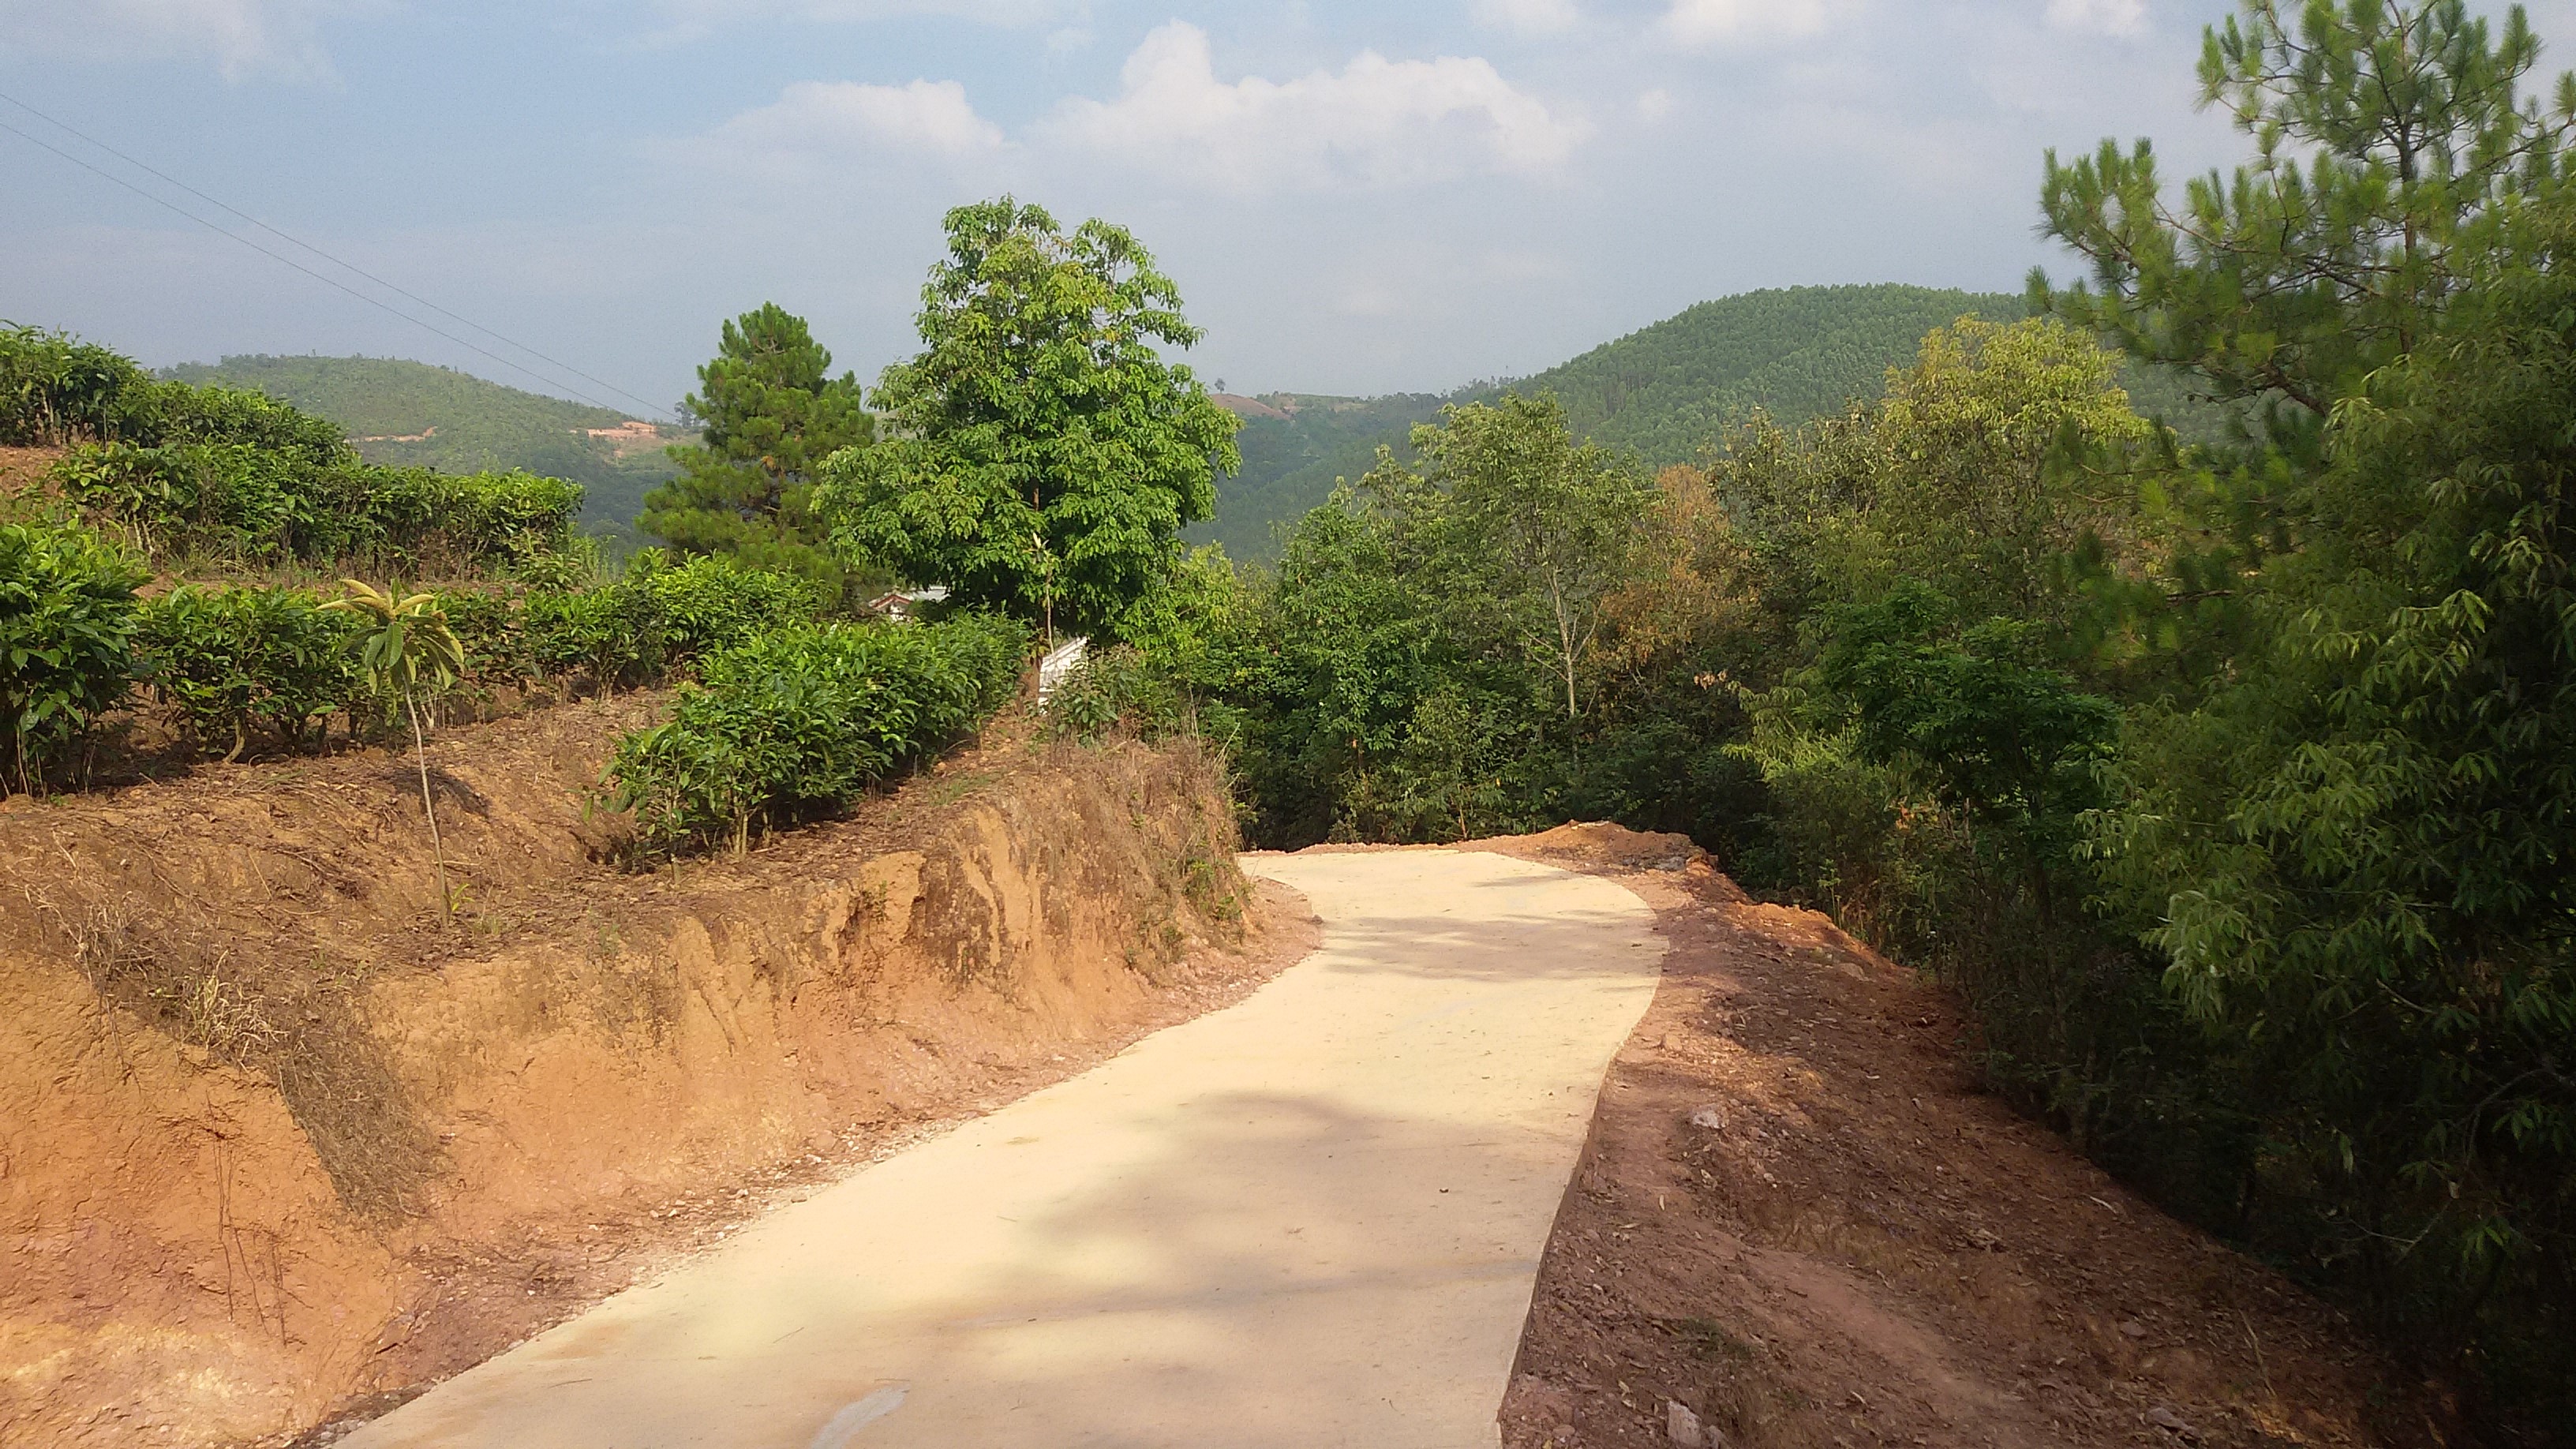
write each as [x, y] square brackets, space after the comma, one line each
[1799, 1221]
[277, 1142]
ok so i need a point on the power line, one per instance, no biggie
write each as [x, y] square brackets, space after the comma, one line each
[326, 256]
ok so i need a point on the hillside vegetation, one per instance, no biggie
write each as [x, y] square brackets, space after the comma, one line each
[1665, 392]
[414, 414]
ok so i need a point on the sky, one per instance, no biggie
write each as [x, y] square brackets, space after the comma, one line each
[1353, 197]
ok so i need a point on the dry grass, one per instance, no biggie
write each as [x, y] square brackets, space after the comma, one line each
[303, 1030]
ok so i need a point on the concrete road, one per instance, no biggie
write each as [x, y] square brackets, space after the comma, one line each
[1309, 1220]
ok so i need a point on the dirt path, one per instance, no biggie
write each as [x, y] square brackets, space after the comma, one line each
[1311, 1219]
[1801, 1220]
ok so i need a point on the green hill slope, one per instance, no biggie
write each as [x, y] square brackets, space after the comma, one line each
[1664, 392]
[413, 413]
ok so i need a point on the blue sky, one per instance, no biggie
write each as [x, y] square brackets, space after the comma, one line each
[1353, 197]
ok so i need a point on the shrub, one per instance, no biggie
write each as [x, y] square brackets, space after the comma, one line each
[249, 501]
[226, 659]
[803, 719]
[613, 633]
[54, 389]
[66, 625]
[712, 602]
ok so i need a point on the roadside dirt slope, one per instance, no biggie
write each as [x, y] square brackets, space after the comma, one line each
[1799, 1220]
[277, 1143]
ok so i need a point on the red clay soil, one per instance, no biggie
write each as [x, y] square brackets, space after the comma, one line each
[279, 1145]
[22, 469]
[1799, 1221]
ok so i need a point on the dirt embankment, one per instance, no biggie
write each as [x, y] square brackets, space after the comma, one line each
[1800, 1222]
[276, 1141]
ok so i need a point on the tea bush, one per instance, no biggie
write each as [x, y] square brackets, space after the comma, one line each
[226, 660]
[712, 602]
[802, 719]
[232, 476]
[247, 502]
[66, 628]
[54, 389]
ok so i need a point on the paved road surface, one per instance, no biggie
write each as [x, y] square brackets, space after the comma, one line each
[1309, 1220]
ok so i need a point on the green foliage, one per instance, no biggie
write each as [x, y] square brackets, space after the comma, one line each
[2393, 159]
[772, 413]
[417, 416]
[1043, 453]
[55, 389]
[66, 626]
[224, 477]
[405, 648]
[1997, 736]
[243, 503]
[2354, 850]
[226, 660]
[801, 720]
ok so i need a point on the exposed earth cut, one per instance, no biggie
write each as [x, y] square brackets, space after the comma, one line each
[277, 1143]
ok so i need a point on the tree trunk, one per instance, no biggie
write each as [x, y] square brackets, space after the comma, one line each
[429, 807]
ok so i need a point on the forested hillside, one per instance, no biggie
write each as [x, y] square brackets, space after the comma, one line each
[1664, 392]
[411, 413]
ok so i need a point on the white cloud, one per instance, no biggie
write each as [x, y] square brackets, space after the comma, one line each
[243, 38]
[1655, 104]
[2107, 17]
[1528, 17]
[1710, 22]
[699, 15]
[842, 120]
[1376, 122]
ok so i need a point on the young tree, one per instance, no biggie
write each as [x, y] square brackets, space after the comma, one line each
[772, 413]
[412, 655]
[1043, 454]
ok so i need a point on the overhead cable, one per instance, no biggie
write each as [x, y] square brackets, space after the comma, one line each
[376, 302]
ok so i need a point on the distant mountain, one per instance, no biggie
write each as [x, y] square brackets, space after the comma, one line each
[1295, 445]
[1664, 392]
[413, 413]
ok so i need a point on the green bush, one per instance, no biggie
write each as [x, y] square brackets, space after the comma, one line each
[611, 633]
[54, 389]
[246, 501]
[235, 476]
[225, 660]
[66, 626]
[803, 719]
[713, 602]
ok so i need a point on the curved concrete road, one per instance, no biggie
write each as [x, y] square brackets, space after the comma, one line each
[1311, 1219]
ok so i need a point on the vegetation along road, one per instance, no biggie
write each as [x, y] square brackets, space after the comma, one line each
[1314, 1218]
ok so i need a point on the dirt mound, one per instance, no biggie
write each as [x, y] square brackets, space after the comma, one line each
[1800, 1222]
[274, 1140]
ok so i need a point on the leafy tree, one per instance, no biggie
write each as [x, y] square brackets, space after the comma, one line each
[409, 654]
[772, 413]
[1043, 454]
[1526, 523]
[2356, 851]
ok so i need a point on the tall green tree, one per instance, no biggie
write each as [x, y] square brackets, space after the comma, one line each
[1533, 527]
[2394, 155]
[1044, 455]
[772, 412]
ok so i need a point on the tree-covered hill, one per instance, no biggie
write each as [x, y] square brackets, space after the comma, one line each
[413, 413]
[1663, 391]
